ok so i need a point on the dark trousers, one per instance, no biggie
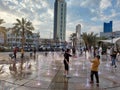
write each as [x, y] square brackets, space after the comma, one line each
[15, 55]
[66, 66]
[113, 61]
[96, 76]
[22, 55]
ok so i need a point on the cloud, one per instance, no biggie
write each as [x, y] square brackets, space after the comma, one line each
[89, 13]
[8, 18]
[118, 3]
[116, 25]
[71, 3]
[104, 4]
[34, 10]
[94, 19]
[90, 3]
[95, 29]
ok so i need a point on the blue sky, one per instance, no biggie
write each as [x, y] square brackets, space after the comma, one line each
[89, 13]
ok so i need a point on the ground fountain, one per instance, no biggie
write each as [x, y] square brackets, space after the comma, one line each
[87, 65]
[39, 66]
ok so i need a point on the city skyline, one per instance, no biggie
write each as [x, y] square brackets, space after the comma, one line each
[41, 13]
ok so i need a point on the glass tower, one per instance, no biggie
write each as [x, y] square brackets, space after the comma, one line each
[59, 20]
[108, 27]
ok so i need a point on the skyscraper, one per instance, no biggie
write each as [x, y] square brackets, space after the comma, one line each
[78, 31]
[60, 20]
[107, 27]
[78, 35]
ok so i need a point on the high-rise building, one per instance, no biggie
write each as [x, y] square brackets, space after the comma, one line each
[60, 20]
[107, 27]
[78, 31]
[78, 35]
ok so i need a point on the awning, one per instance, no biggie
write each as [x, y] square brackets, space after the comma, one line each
[114, 40]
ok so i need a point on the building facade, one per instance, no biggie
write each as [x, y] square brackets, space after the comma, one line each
[15, 40]
[107, 27]
[60, 20]
[110, 35]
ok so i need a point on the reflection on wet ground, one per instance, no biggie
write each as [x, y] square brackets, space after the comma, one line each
[46, 73]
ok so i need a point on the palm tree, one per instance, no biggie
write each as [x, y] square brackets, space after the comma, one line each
[1, 21]
[90, 39]
[23, 26]
[85, 38]
[73, 39]
[3, 30]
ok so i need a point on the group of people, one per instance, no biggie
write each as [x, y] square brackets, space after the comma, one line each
[113, 55]
[94, 68]
[15, 50]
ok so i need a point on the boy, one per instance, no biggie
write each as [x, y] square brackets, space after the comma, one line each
[94, 69]
[66, 62]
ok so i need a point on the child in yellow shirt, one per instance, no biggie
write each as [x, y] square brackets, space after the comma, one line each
[22, 52]
[94, 69]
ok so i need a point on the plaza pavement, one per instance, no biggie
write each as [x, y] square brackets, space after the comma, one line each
[46, 73]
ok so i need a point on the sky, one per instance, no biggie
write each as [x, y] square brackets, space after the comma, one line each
[91, 14]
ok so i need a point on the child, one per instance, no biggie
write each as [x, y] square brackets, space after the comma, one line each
[22, 53]
[66, 61]
[94, 69]
[15, 52]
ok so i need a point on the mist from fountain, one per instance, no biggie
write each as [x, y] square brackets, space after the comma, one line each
[86, 66]
[39, 66]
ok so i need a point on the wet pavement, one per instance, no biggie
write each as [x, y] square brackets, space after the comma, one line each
[46, 73]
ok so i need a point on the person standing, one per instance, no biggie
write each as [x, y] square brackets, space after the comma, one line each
[66, 62]
[22, 56]
[15, 52]
[113, 57]
[22, 53]
[94, 70]
[34, 50]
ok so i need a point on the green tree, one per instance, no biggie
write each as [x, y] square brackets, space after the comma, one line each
[23, 26]
[73, 39]
[3, 30]
[90, 39]
[1, 21]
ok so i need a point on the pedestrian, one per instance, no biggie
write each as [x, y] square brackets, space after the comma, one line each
[66, 62]
[113, 57]
[34, 50]
[22, 53]
[94, 70]
[22, 56]
[15, 52]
